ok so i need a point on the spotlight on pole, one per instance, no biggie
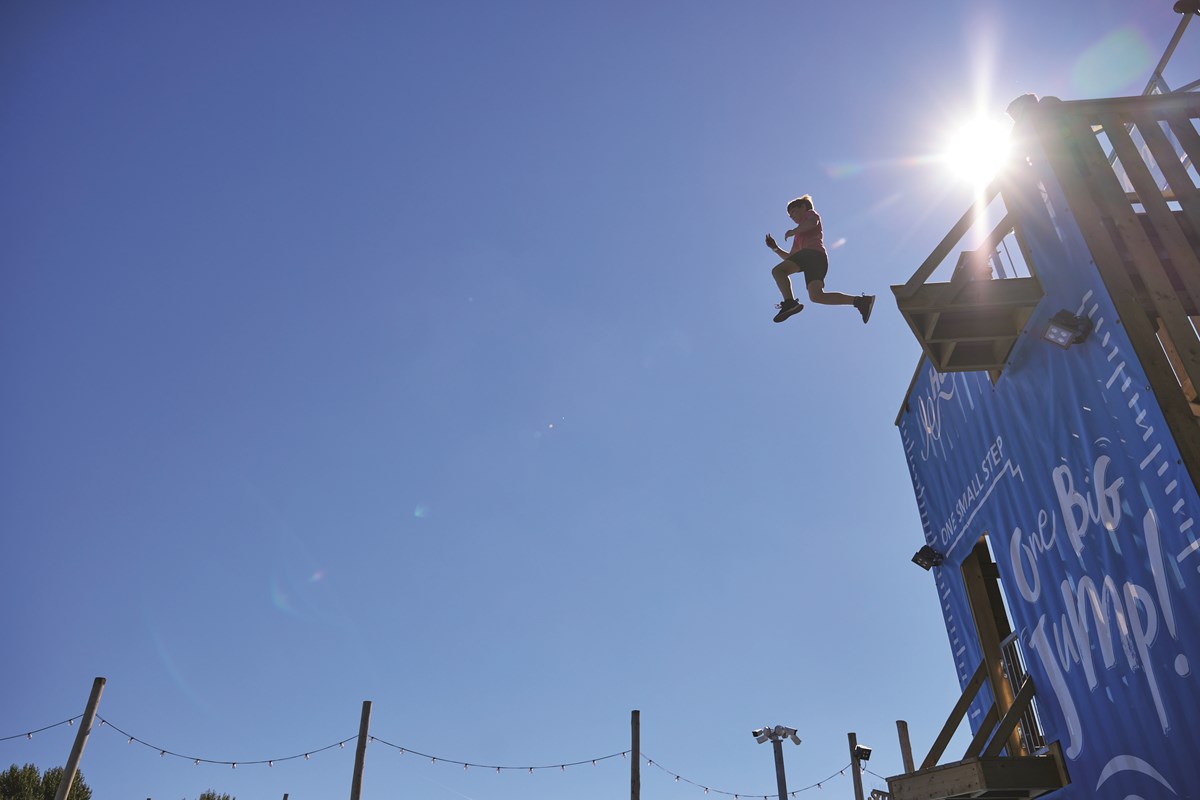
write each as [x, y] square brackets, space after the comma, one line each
[862, 753]
[776, 736]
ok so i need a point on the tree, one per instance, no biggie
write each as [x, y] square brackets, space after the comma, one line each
[26, 783]
[211, 795]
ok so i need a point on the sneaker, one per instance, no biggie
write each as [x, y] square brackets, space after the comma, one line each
[865, 305]
[787, 308]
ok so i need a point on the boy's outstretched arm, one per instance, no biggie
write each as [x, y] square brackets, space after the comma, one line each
[778, 250]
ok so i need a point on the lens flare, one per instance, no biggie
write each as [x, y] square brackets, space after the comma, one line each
[978, 149]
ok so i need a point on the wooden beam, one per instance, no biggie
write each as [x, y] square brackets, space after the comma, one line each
[983, 613]
[986, 726]
[979, 327]
[956, 716]
[948, 242]
[1185, 103]
[1025, 777]
[1008, 725]
[938, 297]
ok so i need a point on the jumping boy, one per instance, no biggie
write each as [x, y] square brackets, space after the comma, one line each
[808, 256]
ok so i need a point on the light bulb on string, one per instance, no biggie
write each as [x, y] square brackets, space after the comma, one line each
[342, 745]
[433, 760]
[71, 722]
[270, 763]
[562, 767]
[29, 736]
[233, 765]
[706, 790]
[464, 767]
[306, 756]
[130, 740]
[197, 762]
[497, 770]
[531, 770]
[677, 779]
[162, 753]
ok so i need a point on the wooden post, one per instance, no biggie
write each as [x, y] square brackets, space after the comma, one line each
[855, 767]
[360, 752]
[905, 747]
[85, 728]
[635, 755]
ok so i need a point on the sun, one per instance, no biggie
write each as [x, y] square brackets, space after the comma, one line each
[977, 150]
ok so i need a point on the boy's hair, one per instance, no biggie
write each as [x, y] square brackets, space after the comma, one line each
[806, 199]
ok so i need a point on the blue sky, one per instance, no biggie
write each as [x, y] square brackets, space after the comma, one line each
[422, 353]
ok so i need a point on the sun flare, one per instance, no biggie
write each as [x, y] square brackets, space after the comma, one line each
[977, 150]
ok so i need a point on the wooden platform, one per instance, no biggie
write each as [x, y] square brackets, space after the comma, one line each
[998, 778]
[971, 325]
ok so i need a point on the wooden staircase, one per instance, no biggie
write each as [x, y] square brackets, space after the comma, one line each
[983, 772]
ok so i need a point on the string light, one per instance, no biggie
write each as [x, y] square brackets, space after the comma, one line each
[624, 754]
[739, 795]
[164, 752]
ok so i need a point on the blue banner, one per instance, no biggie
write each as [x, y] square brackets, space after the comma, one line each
[1068, 467]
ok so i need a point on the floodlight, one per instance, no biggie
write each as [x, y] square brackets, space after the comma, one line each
[862, 753]
[760, 734]
[1066, 329]
[927, 557]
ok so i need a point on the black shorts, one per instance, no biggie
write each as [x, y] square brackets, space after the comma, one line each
[813, 263]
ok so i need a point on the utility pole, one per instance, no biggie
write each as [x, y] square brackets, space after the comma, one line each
[81, 737]
[360, 752]
[858, 754]
[635, 761]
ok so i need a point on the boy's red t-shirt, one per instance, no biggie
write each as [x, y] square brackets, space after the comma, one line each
[812, 239]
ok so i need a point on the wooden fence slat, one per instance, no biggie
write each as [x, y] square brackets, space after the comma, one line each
[1182, 256]
[1168, 162]
[1185, 132]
